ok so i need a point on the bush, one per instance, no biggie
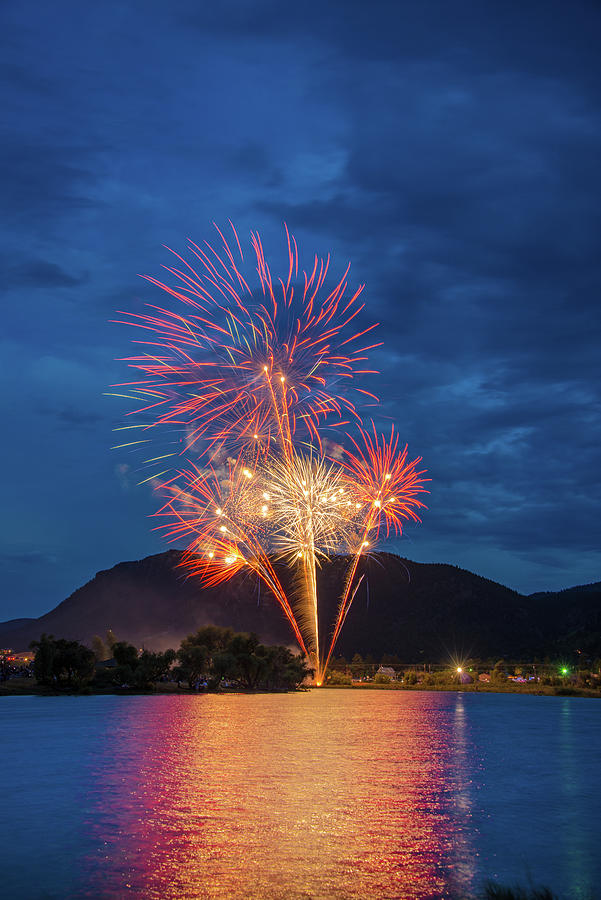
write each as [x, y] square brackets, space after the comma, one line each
[380, 678]
[339, 678]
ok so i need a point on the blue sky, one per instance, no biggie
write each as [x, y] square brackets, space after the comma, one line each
[449, 151]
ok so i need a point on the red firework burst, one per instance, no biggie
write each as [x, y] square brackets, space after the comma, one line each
[239, 368]
[385, 481]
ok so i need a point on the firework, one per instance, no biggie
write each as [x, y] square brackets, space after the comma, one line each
[313, 516]
[386, 486]
[221, 517]
[241, 368]
[251, 375]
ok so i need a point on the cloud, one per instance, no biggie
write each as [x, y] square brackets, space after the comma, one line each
[70, 417]
[44, 182]
[39, 273]
[27, 558]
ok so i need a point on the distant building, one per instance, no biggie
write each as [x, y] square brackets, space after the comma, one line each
[484, 676]
[387, 670]
[18, 659]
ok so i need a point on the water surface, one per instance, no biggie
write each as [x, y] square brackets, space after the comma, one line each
[326, 794]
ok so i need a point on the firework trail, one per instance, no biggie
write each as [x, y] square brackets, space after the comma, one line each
[312, 515]
[386, 486]
[223, 520]
[253, 375]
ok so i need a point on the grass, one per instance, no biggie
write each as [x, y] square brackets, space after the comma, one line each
[28, 686]
[25, 686]
[477, 688]
[493, 891]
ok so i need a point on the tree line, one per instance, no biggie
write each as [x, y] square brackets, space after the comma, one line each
[555, 673]
[209, 659]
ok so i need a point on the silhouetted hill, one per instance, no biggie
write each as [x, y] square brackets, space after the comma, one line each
[14, 624]
[414, 610]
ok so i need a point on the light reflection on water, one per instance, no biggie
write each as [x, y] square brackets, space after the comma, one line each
[328, 794]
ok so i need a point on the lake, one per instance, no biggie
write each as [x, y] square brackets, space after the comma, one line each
[325, 794]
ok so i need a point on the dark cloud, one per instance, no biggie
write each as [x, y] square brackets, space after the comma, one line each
[39, 273]
[43, 182]
[68, 417]
[525, 37]
[26, 558]
[254, 160]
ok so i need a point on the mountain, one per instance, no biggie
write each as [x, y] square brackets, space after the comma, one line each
[417, 611]
[14, 624]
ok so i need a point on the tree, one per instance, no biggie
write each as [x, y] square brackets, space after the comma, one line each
[197, 654]
[248, 662]
[498, 674]
[74, 664]
[193, 663]
[99, 648]
[125, 654]
[110, 639]
[339, 662]
[358, 666]
[370, 664]
[62, 663]
[43, 663]
[151, 667]
[284, 670]
[126, 657]
[216, 654]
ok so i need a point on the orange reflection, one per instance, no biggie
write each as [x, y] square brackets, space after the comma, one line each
[338, 794]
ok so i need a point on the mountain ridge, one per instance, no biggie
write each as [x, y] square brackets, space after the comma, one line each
[417, 611]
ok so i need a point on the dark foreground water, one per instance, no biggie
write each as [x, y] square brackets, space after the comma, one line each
[333, 794]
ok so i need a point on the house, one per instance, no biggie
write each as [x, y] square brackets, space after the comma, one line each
[387, 670]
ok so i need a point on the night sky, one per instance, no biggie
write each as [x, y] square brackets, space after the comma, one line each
[449, 150]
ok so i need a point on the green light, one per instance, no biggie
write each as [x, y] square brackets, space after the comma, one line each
[564, 671]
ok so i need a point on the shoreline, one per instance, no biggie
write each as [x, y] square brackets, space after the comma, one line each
[17, 687]
[541, 690]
